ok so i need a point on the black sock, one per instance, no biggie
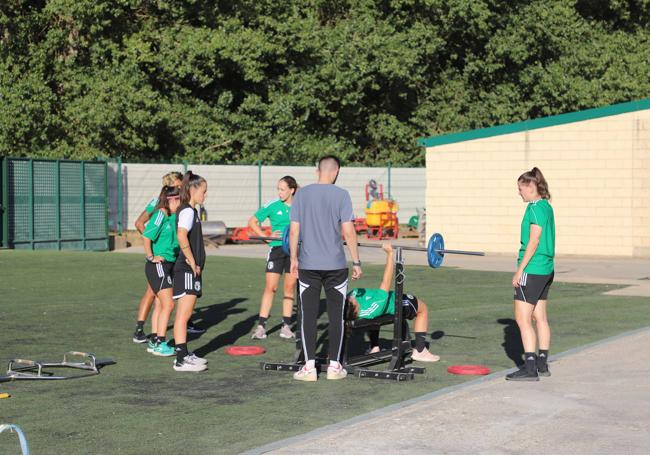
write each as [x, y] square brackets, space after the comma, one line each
[262, 321]
[374, 338]
[181, 352]
[531, 361]
[139, 326]
[543, 356]
[159, 340]
[287, 320]
[420, 341]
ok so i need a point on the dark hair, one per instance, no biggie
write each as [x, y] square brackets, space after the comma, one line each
[535, 175]
[190, 180]
[166, 192]
[329, 157]
[291, 183]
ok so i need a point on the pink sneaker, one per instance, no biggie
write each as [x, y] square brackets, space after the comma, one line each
[424, 356]
[306, 374]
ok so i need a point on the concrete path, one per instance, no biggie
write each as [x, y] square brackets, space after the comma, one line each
[596, 402]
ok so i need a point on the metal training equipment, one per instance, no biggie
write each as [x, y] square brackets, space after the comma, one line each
[435, 248]
[22, 369]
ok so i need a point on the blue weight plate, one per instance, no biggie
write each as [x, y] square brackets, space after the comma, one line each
[435, 247]
[285, 241]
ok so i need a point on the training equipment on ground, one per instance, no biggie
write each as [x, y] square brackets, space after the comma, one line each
[398, 355]
[4, 395]
[435, 249]
[244, 350]
[22, 369]
[469, 369]
[24, 448]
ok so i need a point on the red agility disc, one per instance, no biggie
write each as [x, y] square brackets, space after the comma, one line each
[244, 350]
[469, 369]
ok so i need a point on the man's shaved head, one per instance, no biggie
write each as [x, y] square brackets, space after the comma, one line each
[329, 163]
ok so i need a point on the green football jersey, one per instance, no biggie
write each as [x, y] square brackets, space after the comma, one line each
[161, 230]
[278, 214]
[151, 206]
[540, 213]
[374, 302]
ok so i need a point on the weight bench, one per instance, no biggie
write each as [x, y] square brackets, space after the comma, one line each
[398, 355]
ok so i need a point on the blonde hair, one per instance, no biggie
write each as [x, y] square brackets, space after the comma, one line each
[171, 178]
[535, 175]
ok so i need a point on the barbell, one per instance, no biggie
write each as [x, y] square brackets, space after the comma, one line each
[435, 248]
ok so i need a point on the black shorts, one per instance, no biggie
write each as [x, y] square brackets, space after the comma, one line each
[409, 306]
[277, 261]
[159, 275]
[185, 283]
[533, 288]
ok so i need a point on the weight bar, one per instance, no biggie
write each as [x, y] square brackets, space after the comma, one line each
[435, 248]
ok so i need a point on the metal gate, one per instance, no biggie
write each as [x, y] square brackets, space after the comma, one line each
[54, 204]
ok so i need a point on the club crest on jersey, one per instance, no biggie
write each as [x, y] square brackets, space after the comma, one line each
[269, 265]
[169, 280]
[197, 286]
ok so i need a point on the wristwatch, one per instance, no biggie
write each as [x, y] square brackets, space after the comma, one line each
[357, 263]
[149, 258]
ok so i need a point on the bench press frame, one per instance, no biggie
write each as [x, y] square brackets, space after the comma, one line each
[397, 356]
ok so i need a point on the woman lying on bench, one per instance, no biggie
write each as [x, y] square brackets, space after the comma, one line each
[366, 303]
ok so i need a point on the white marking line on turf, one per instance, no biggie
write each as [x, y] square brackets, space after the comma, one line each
[284, 443]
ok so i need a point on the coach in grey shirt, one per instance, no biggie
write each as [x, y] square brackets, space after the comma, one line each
[321, 214]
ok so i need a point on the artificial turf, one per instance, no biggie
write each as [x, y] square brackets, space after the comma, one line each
[53, 302]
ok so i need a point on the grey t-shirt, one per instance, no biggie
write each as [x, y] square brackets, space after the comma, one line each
[320, 209]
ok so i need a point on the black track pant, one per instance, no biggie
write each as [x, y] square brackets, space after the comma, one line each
[310, 283]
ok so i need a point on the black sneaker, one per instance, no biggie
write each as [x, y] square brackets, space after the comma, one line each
[140, 337]
[522, 375]
[542, 369]
[191, 328]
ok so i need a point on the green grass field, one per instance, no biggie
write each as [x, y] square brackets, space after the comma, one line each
[54, 302]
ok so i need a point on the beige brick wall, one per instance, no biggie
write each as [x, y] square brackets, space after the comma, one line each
[598, 173]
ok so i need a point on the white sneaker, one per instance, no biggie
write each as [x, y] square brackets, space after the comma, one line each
[188, 365]
[336, 372]
[305, 374]
[196, 359]
[424, 356]
[286, 333]
[259, 333]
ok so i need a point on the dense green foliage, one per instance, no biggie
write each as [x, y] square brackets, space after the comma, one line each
[234, 81]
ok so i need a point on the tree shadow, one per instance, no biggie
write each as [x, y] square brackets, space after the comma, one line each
[512, 341]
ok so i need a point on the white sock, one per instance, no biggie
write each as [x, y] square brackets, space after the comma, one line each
[334, 363]
[310, 364]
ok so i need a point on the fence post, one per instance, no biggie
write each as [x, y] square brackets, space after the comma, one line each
[106, 208]
[31, 202]
[390, 195]
[259, 184]
[120, 196]
[83, 205]
[57, 183]
[5, 202]
[185, 166]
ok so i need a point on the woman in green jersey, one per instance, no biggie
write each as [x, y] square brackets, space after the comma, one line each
[534, 275]
[370, 303]
[277, 211]
[161, 248]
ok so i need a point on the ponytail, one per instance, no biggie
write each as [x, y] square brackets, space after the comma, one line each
[291, 183]
[535, 175]
[190, 180]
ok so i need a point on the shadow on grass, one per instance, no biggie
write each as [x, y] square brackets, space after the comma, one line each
[512, 341]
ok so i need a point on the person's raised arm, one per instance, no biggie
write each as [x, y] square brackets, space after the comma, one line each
[387, 279]
[350, 236]
[533, 242]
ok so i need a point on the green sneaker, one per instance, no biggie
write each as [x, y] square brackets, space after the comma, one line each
[151, 345]
[164, 350]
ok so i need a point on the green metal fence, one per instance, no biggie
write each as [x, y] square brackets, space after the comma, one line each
[54, 204]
